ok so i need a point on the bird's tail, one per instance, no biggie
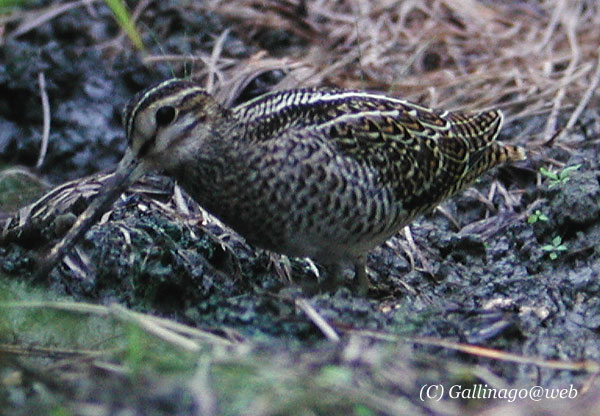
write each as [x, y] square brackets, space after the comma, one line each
[485, 152]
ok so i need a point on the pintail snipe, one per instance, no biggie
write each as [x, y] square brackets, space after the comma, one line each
[323, 173]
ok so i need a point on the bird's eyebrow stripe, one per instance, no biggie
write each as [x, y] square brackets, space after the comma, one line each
[166, 89]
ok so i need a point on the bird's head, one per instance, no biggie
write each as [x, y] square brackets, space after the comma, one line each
[170, 123]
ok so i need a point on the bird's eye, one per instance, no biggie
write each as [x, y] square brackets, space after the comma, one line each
[165, 116]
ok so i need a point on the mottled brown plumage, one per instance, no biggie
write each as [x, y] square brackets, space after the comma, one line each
[327, 174]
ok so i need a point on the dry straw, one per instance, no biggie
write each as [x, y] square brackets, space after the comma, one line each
[526, 57]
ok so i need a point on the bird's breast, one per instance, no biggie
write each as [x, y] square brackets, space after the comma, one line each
[297, 200]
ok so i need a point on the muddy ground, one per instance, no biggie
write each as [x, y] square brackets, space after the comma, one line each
[511, 264]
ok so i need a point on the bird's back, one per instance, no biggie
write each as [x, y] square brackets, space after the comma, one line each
[334, 172]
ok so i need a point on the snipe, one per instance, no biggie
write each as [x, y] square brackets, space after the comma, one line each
[327, 174]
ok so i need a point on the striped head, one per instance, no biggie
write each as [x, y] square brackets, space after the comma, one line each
[166, 125]
[169, 122]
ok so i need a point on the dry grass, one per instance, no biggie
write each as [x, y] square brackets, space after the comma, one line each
[526, 57]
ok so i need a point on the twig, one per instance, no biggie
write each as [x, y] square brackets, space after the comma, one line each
[570, 22]
[212, 63]
[37, 351]
[411, 243]
[153, 328]
[587, 96]
[588, 366]
[558, 11]
[180, 201]
[318, 320]
[99, 310]
[46, 125]
[47, 15]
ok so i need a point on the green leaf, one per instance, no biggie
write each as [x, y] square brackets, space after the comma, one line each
[537, 216]
[565, 172]
[548, 174]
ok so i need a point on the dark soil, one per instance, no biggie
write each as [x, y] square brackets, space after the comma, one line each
[490, 282]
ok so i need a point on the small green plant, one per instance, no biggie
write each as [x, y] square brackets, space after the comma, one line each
[558, 178]
[555, 248]
[537, 216]
[8, 5]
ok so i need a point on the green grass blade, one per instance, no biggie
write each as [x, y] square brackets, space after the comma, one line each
[124, 19]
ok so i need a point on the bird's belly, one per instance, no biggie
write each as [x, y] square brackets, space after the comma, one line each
[327, 225]
[321, 207]
[300, 236]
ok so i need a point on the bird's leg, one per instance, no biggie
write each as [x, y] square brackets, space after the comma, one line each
[360, 273]
[333, 275]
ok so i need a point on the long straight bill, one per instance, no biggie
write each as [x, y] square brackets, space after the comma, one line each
[128, 171]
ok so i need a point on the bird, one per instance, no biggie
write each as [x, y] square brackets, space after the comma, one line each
[323, 173]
